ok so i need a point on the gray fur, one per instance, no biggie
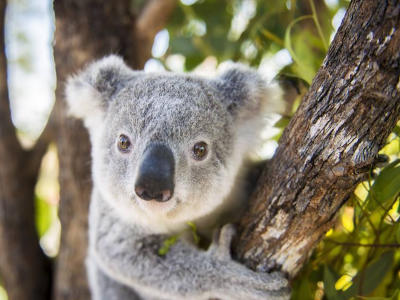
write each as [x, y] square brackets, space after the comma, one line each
[125, 232]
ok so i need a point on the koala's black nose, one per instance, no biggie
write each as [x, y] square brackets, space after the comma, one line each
[156, 174]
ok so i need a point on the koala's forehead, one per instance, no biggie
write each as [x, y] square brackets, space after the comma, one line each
[170, 105]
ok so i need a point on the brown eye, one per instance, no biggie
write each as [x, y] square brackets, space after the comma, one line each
[200, 150]
[124, 144]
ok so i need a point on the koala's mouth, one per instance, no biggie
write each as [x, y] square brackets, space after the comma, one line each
[154, 207]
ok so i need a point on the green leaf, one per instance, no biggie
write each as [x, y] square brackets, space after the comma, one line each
[382, 298]
[193, 228]
[329, 285]
[192, 62]
[386, 186]
[184, 46]
[315, 17]
[371, 278]
[43, 216]
[270, 35]
[396, 130]
[305, 291]
[307, 73]
[168, 243]
[282, 122]
[277, 136]
[398, 233]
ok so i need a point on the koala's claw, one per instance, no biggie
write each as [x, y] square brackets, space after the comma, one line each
[225, 240]
[221, 242]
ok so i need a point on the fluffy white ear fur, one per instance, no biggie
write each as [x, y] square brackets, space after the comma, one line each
[252, 100]
[83, 102]
[88, 92]
[250, 92]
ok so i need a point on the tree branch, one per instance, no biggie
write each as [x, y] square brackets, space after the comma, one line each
[364, 245]
[331, 142]
[153, 18]
[26, 271]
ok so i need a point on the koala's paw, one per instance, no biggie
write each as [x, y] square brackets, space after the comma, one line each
[257, 286]
[248, 291]
[241, 282]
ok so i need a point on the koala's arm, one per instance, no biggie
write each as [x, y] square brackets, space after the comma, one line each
[105, 288]
[185, 272]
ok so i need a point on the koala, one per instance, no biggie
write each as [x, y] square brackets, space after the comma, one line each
[170, 149]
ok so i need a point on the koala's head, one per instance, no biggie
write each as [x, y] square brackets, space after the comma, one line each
[168, 146]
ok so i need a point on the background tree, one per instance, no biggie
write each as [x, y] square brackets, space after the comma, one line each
[350, 117]
[99, 28]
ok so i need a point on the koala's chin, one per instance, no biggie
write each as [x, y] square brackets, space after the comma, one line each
[157, 208]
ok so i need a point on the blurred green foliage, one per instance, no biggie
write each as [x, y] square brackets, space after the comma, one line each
[47, 193]
[250, 30]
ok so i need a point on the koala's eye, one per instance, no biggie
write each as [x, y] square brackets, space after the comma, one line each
[200, 150]
[124, 144]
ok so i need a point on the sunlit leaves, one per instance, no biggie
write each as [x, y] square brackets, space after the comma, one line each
[381, 298]
[363, 283]
[306, 71]
[329, 285]
[3, 294]
[386, 186]
[167, 244]
[366, 281]
[341, 267]
[356, 259]
[44, 216]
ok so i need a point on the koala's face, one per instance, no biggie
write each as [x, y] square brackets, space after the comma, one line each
[167, 147]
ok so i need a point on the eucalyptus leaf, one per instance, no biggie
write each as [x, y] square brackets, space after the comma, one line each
[329, 285]
[366, 282]
[43, 216]
[396, 130]
[168, 243]
[386, 186]
[305, 291]
[307, 74]
[193, 229]
[382, 298]
[282, 122]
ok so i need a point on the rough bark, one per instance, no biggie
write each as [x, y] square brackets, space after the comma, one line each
[87, 30]
[331, 142]
[26, 270]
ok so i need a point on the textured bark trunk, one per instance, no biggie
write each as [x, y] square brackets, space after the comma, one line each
[331, 142]
[26, 270]
[87, 30]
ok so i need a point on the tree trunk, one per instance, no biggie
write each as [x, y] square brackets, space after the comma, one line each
[26, 270]
[331, 142]
[87, 30]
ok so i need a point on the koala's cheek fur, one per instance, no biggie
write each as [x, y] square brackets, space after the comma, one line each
[113, 172]
[176, 111]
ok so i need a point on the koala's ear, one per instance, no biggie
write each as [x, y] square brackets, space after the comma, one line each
[89, 92]
[246, 94]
